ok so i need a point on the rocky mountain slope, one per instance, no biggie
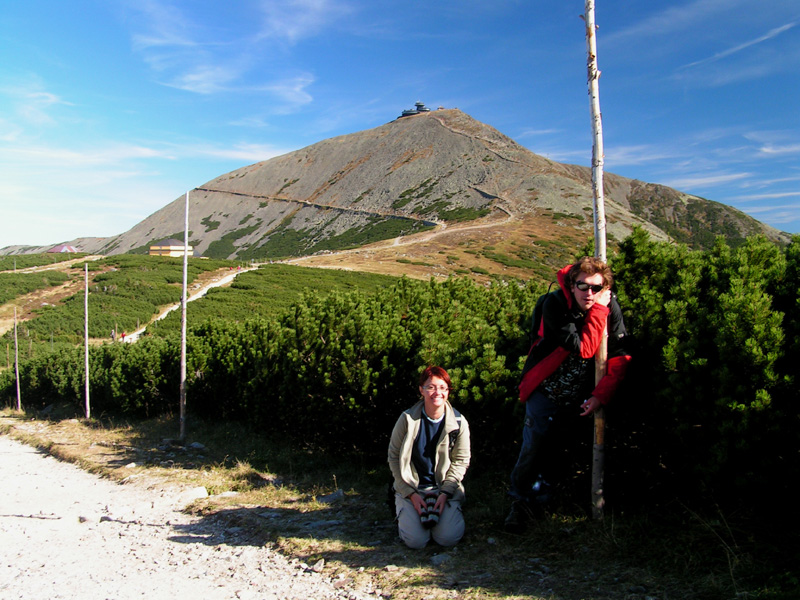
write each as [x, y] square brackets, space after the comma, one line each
[432, 173]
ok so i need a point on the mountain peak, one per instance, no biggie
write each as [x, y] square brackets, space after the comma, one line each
[416, 176]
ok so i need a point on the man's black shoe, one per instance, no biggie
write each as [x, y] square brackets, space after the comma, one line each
[518, 517]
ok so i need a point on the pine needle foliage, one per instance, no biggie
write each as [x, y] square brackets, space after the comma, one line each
[707, 412]
[17, 284]
[714, 389]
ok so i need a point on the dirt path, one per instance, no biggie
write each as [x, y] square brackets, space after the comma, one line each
[409, 240]
[58, 266]
[201, 288]
[27, 303]
[67, 534]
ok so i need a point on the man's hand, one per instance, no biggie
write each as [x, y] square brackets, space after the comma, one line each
[440, 502]
[604, 297]
[589, 406]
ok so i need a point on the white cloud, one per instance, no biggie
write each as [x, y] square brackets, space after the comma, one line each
[205, 79]
[241, 152]
[252, 121]
[777, 215]
[9, 132]
[537, 132]
[755, 68]
[292, 91]
[772, 150]
[41, 157]
[706, 180]
[738, 48]
[31, 103]
[637, 154]
[295, 19]
[583, 156]
[123, 160]
[184, 54]
[101, 209]
[766, 182]
[105, 187]
[164, 26]
[768, 196]
[675, 19]
[224, 58]
[774, 143]
[697, 32]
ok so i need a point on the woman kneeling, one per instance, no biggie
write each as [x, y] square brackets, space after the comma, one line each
[429, 455]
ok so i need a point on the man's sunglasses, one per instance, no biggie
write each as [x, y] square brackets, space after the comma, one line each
[583, 286]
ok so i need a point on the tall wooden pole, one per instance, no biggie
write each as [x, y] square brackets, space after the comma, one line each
[182, 435]
[16, 361]
[86, 335]
[598, 447]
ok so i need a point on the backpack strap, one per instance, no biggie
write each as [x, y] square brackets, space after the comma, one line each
[455, 432]
[536, 317]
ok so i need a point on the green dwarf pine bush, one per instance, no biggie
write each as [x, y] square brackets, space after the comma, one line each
[708, 406]
[710, 361]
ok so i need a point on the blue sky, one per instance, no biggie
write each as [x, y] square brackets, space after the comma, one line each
[110, 109]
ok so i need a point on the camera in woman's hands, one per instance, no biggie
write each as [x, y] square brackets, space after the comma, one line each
[429, 515]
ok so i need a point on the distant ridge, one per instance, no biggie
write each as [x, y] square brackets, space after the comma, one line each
[423, 172]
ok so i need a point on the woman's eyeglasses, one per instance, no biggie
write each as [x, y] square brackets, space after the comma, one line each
[583, 286]
[432, 388]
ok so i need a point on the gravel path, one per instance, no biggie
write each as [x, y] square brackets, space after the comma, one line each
[67, 534]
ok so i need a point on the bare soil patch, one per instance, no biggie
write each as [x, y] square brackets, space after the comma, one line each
[460, 249]
[27, 304]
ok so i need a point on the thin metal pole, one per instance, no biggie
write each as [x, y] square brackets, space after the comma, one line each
[182, 435]
[598, 446]
[16, 361]
[86, 335]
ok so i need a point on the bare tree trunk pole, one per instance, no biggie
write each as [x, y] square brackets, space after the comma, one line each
[86, 334]
[182, 435]
[598, 447]
[16, 361]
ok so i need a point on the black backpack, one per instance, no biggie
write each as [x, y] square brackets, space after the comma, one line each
[536, 318]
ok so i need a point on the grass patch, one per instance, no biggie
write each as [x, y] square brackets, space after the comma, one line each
[422, 191]
[286, 185]
[508, 261]
[210, 225]
[126, 292]
[9, 262]
[284, 242]
[268, 292]
[560, 216]
[224, 247]
[17, 284]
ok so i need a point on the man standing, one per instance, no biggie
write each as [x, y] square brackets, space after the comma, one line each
[559, 370]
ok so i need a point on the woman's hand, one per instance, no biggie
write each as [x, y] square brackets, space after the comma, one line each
[417, 502]
[440, 502]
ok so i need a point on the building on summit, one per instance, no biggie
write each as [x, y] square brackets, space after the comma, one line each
[170, 247]
[419, 107]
